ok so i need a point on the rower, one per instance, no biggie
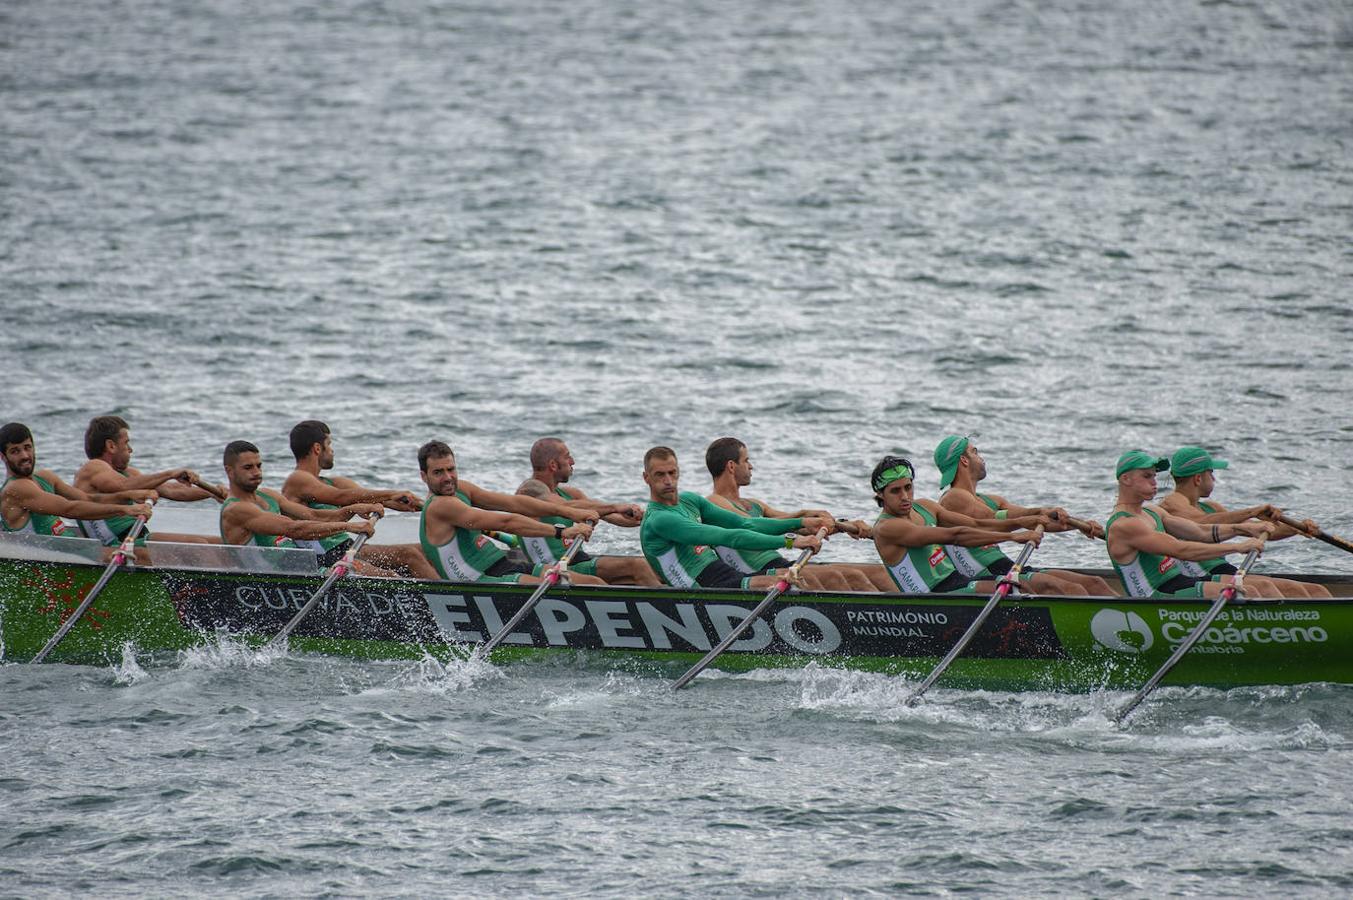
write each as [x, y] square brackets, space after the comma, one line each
[551, 468]
[1192, 468]
[910, 534]
[961, 468]
[1146, 545]
[33, 500]
[312, 445]
[456, 515]
[263, 517]
[682, 531]
[108, 446]
[731, 469]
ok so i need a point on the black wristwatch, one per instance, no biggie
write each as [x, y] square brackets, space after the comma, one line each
[559, 531]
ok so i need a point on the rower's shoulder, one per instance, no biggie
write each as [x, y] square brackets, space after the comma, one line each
[722, 501]
[1175, 503]
[296, 482]
[958, 499]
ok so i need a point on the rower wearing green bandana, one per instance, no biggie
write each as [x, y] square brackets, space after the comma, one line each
[910, 535]
[457, 514]
[682, 529]
[961, 468]
[33, 500]
[731, 468]
[312, 445]
[1146, 545]
[551, 469]
[1192, 468]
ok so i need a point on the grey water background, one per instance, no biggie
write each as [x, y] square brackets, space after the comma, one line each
[833, 229]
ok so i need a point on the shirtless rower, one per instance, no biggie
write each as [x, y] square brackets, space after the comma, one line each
[731, 468]
[910, 534]
[257, 515]
[456, 515]
[1146, 546]
[682, 530]
[108, 446]
[1192, 468]
[33, 500]
[312, 445]
[551, 468]
[961, 468]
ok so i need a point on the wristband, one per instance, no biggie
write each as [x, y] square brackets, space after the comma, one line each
[789, 541]
[1002, 513]
[559, 531]
[1216, 534]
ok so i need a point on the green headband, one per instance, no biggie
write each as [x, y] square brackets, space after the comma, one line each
[888, 476]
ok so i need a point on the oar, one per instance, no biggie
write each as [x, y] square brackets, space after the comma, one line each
[548, 580]
[336, 571]
[1319, 535]
[780, 587]
[210, 488]
[1227, 594]
[1007, 584]
[127, 548]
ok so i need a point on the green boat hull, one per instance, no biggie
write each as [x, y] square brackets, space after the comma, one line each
[1030, 643]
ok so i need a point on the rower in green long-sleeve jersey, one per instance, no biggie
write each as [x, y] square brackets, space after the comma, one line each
[682, 529]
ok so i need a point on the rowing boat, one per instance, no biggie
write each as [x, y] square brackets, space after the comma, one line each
[195, 594]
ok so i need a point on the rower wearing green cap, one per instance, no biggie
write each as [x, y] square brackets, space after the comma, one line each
[961, 468]
[1192, 468]
[910, 535]
[1146, 545]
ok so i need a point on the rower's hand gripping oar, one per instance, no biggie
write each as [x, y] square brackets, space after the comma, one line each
[1318, 534]
[780, 587]
[336, 571]
[1228, 593]
[548, 580]
[1007, 584]
[120, 555]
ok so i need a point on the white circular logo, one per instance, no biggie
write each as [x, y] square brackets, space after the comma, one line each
[1125, 632]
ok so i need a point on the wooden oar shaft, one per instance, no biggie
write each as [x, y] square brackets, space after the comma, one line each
[1319, 535]
[1002, 590]
[548, 580]
[120, 555]
[210, 488]
[336, 571]
[1228, 593]
[780, 587]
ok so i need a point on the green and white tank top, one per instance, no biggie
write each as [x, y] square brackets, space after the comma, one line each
[466, 557]
[324, 544]
[547, 549]
[1147, 571]
[1202, 569]
[261, 540]
[975, 562]
[108, 531]
[921, 568]
[38, 523]
[748, 561]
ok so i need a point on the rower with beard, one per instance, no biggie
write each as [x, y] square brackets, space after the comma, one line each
[1192, 468]
[961, 468]
[682, 530]
[458, 513]
[731, 468]
[260, 516]
[551, 469]
[910, 534]
[33, 500]
[312, 445]
[108, 446]
[1146, 545]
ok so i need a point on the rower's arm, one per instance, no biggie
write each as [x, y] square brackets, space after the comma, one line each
[453, 513]
[1203, 532]
[680, 530]
[524, 505]
[906, 534]
[26, 495]
[722, 518]
[249, 518]
[950, 518]
[302, 487]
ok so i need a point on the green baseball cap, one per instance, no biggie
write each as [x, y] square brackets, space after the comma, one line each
[1193, 461]
[947, 455]
[1140, 459]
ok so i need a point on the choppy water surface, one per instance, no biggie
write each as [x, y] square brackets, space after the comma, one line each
[833, 229]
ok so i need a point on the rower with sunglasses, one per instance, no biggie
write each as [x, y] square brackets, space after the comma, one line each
[910, 534]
